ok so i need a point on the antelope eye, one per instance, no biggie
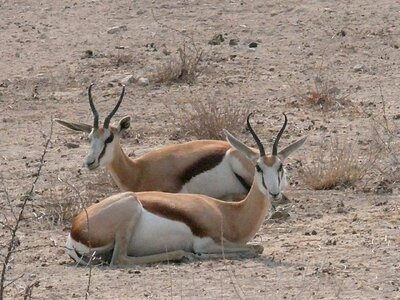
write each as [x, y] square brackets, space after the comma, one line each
[258, 169]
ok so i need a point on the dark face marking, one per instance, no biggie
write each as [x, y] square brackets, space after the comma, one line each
[260, 171]
[176, 214]
[202, 165]
[107, 141]
[243, 182]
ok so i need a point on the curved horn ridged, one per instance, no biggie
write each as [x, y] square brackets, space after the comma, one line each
[259, 144]
[108, 118]
[278, 137]
[93, 108]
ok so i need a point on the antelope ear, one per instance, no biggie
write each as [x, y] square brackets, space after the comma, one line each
[124, 123]
[238, 145]
[283, 154]
[75, 126]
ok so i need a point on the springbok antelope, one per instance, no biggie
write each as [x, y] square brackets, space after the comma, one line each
[149, 227]
[207, 167]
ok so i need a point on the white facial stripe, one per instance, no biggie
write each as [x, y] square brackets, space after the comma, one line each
[99, 145]
[273, 177]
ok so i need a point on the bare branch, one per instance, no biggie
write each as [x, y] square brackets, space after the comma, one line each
[29, 289]
[5, 190]
[14, 280]
[28, 196]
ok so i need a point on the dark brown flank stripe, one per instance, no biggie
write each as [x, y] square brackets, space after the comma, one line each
[203, 164]
[176, 214]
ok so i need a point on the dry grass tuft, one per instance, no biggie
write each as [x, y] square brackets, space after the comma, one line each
[181, 67]
[324, 94]
[61, 203]
[206, 119]
[337, 166]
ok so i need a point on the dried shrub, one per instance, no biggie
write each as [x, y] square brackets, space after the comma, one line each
[61, 203]
[337, 166]
[59, 206]
[206, 119]
[385, 136]
[181, 67]
[122, 59]
[324, 94]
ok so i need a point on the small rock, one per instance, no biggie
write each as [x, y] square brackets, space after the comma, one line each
[5, 83]
[88, 54]
[313, 232]
[117, 29]
[216, 40]
[128, 80]
[360, 68]
[271, 69]
[280, 215]
[341, 33]
[143, 81]
[253, 45]
[71, 145]
[151, 47]
[233, 42]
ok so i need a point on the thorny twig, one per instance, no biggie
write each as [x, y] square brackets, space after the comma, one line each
[29, 289]
[8, 198]
[15, 228]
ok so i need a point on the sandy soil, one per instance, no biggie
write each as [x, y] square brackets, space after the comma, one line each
[340, 243]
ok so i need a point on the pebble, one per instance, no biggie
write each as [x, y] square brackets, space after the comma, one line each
[143, 81]
[253, 45]
[128, 80]
[5, 83]
[117, 29]
[233, 42]
[360, 68]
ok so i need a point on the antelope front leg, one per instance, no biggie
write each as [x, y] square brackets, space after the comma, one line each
[178, 255]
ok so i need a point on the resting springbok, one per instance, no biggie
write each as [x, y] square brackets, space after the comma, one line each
[149, 227]
[207, 167]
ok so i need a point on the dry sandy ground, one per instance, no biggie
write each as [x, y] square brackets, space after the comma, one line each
[336, 244]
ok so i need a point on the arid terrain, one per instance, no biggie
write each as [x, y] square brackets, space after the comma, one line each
[331, 66]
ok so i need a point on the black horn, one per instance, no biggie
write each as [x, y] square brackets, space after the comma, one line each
[108, 118]
[278, 137]
[93, 108]
[259, 144]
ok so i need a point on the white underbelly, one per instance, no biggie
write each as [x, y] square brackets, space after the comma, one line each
[217, 182]
[154, 234]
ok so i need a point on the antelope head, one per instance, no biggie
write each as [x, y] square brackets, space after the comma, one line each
[104, 140]
[270, 173]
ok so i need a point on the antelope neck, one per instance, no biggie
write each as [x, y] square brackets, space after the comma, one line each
[124, 170]
[252, 212]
